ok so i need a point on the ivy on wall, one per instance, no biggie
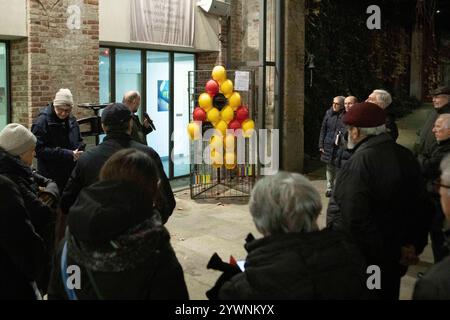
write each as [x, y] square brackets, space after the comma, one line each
[350, 59]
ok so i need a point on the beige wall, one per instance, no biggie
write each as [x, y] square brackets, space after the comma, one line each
[115, 28]
[13, 19]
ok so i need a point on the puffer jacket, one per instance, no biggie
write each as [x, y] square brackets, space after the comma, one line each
[115, 234]
[320, 265]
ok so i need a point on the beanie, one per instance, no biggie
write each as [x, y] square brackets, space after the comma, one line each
[63, 97]
[365, 115]
[16, 139]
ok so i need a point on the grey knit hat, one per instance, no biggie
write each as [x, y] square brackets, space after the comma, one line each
[16, 139]
[63, 97]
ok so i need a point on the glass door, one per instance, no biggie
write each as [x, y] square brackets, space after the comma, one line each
[158, 103]
[183, 63]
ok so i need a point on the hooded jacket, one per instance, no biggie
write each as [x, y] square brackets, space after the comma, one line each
[115, 233]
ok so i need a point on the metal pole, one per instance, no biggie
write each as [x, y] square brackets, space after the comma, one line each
[279, 75]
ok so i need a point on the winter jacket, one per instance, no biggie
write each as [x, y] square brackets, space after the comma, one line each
[391, 126]
[435, 284]
[42, 216]
[381, 202]
[139, 132]
[56, 139]
[430, 163]
[320, 265]
[427, 140]
[115, 234]
[22, 251]
[90, 163]
[332, 126]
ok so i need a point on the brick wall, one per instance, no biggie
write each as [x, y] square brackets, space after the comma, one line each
[55, 56]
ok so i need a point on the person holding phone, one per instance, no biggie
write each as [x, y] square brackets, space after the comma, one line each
[132, 100]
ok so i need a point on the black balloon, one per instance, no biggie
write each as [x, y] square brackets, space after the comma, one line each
[220, 101]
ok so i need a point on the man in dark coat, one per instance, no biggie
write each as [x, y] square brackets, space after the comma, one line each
[380, 198]
[329, 139]
[58, 139]
[117, 123]
[435, 284]
[383, 99]
[427, 140]
[22, 251]
[139, 132]
[431, 171]
[294, 260]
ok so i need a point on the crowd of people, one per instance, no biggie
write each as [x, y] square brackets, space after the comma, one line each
[104, 211]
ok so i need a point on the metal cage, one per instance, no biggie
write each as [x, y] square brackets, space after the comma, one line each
[206, 180]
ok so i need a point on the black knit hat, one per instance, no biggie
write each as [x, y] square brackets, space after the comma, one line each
[116, 114]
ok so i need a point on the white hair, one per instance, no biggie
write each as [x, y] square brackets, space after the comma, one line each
[284, 203]
[445, 170]
[446, 120]
[384, 98]
[373, 131]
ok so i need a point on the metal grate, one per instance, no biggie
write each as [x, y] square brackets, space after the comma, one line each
[206, 180]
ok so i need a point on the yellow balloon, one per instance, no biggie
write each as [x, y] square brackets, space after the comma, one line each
[222, 127]
[229, 142]
[248, 127]
[194, 131]
[216, 143]
[227, 114]
[219, 74]
[230, 160]
[227, 87]
[205, 101]
[216, 159]
[235, 101]
[213, 115]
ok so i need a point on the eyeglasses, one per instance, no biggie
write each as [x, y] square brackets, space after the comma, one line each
[67, 109]
[437, 184]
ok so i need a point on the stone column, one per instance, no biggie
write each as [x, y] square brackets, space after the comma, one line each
[61, 51]
[294, 92]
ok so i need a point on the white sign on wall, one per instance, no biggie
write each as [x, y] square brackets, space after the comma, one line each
[165, 22]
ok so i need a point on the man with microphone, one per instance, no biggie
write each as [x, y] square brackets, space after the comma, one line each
[132, 100]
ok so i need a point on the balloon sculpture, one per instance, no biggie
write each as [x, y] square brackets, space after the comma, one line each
[221, 107]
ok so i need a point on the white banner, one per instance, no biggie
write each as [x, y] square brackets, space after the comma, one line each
[164, 22]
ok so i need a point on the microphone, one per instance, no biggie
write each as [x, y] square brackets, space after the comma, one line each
[150, 121]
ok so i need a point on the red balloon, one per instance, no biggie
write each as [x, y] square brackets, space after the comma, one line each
[199, 114]
[242, 114]
[212, 87]
[234, 125]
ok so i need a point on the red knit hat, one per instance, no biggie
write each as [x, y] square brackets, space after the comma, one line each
[365, 115]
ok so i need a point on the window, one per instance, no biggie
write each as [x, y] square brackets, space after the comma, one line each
[158, 76]
[4, 89]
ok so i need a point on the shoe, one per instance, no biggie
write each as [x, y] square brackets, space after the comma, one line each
[328, 193]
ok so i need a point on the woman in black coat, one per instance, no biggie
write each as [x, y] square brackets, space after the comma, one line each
[294, 260]
[116, 238]
[39, 194]
[22, 251]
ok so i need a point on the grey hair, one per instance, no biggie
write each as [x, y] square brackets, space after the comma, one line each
[445, 170]
[383, 97]
[284, 203]
[341, 99]
[446, 119]
[373, 131]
